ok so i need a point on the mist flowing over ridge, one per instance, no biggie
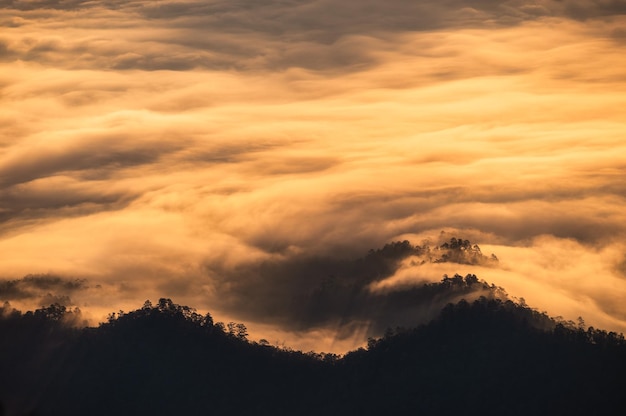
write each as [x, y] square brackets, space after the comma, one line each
[296, 298]
[191, 149]
[322, 171]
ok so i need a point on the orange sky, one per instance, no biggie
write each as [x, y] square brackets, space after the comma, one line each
[170, 149]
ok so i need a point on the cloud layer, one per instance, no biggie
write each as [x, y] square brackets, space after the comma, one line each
[233, 153]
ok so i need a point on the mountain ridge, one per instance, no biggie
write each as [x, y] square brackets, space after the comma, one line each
[493, 354]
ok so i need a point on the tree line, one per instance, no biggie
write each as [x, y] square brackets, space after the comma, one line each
[487, 356]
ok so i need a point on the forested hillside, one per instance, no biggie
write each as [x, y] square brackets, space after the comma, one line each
[486, 357]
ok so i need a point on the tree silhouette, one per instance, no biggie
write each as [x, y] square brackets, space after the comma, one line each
[486, 356]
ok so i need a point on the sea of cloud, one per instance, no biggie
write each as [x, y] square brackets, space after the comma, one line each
[232, 155]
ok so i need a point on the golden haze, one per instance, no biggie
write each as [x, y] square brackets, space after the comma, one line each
[157, 157]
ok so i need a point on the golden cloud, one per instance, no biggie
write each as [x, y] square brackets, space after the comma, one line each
[169, 155]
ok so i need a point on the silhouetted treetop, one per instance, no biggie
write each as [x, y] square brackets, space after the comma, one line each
[486, 356]
[462, 252]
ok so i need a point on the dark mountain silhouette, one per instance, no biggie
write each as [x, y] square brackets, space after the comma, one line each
[490, 356]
